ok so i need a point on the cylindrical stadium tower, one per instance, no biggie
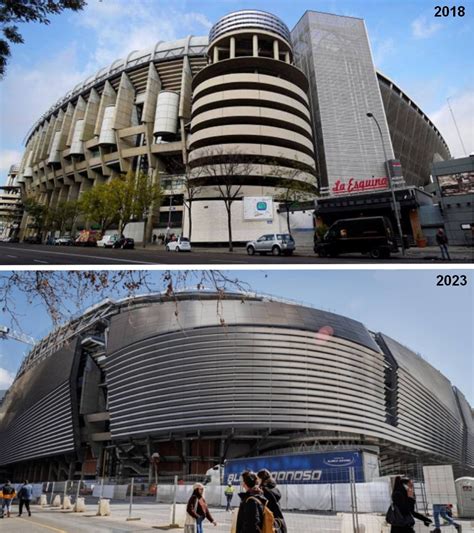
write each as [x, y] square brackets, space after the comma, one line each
[251, 132]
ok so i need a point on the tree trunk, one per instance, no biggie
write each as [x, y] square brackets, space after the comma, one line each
[229, 225]
[288, 217]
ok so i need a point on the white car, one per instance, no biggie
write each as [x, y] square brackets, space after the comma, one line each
[182, 244]
[108, 241]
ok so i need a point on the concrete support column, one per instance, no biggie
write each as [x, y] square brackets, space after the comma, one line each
[215, 57]
[287, 57]
[276, 50]
[232, 48]
[255, 45]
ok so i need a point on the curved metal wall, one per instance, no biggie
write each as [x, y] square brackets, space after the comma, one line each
[36, 416]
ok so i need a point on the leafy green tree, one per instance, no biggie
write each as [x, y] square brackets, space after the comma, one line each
[38, 212]
[98, 205]
[13, 12]
[64, 215]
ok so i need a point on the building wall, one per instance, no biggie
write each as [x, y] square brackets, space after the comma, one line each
[417, 143]
[202, 367]
[334, 52]
[457, 208]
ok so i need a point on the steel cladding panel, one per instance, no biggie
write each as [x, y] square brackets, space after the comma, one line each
[36, 416]
[264, 367]
[334, 53]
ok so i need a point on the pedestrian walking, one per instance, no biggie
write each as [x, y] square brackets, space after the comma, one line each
[25, 495]
[443, 511]
[197, 510]
[442, 241]
[9, 494]
[229, 494]
[154, 238]
[273, 495]
[252, 506]
[401, 514]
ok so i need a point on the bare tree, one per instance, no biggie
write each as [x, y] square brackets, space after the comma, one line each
[292, 187]
[63, 294]
[226, 172]
[191, 192]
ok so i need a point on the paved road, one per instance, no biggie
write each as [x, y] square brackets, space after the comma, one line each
[41, 255]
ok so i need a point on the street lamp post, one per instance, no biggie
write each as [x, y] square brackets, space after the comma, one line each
[397, 215]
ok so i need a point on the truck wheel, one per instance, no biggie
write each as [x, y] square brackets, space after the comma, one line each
[250, 250]
[276, 250]
[375, 253]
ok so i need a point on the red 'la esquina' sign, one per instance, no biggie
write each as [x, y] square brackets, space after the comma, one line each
[354, 185]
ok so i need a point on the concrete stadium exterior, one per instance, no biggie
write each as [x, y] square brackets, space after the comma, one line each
[178, 110]
[200, 379]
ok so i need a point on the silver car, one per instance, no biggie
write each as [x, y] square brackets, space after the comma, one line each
[274, 243]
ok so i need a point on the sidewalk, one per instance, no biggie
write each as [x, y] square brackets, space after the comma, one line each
[429, 253]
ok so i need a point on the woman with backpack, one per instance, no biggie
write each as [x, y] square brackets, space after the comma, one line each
[197, 510]
[252, 506]
[273, 495]
[402, 514]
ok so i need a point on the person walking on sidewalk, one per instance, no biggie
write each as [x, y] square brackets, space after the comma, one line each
[8, 496]
[197, 508]
[251, 510]
[273, 495]
[403, 500]
[442, 242]
[442, 510]
[25, 495]
[229, 494]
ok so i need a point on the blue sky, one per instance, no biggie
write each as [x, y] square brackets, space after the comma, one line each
[429, 58]
[406, 305]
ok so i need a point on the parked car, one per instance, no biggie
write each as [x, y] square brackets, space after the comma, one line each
[124, 243]
[274, 243]
[181, 244]
[87, 238]
[10, 239]
[372, 235]
[33, 239]
[65, 240]
[108, 241]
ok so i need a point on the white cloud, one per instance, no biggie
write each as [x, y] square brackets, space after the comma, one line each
[382, 49]
[6, 378]
[422, 27]
[8, 158]
[121, 27]
[27, 93]
[463, 110]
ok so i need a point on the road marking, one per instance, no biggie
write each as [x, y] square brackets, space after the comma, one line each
[38, 261]
[87, 255]
[14, 256]
[41, 525]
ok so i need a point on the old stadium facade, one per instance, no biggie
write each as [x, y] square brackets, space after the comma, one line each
[248, 93]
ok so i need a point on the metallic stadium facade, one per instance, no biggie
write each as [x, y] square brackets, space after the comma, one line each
[200, 378]
[254, 90]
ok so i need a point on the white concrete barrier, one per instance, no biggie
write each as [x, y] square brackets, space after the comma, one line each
[180, 515]
[66, 503]
[103, 508]
[80, 505]
[43, 500]
[56, 501]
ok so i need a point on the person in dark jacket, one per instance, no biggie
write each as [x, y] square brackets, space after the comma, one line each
[198, 509]
[273, 495]
[250, 517]
[403, 497]
[442, 242]
[25, 495]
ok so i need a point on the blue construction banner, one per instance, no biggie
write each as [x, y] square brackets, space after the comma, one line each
[325, 467]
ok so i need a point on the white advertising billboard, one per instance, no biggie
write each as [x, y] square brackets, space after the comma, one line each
[258, 208]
